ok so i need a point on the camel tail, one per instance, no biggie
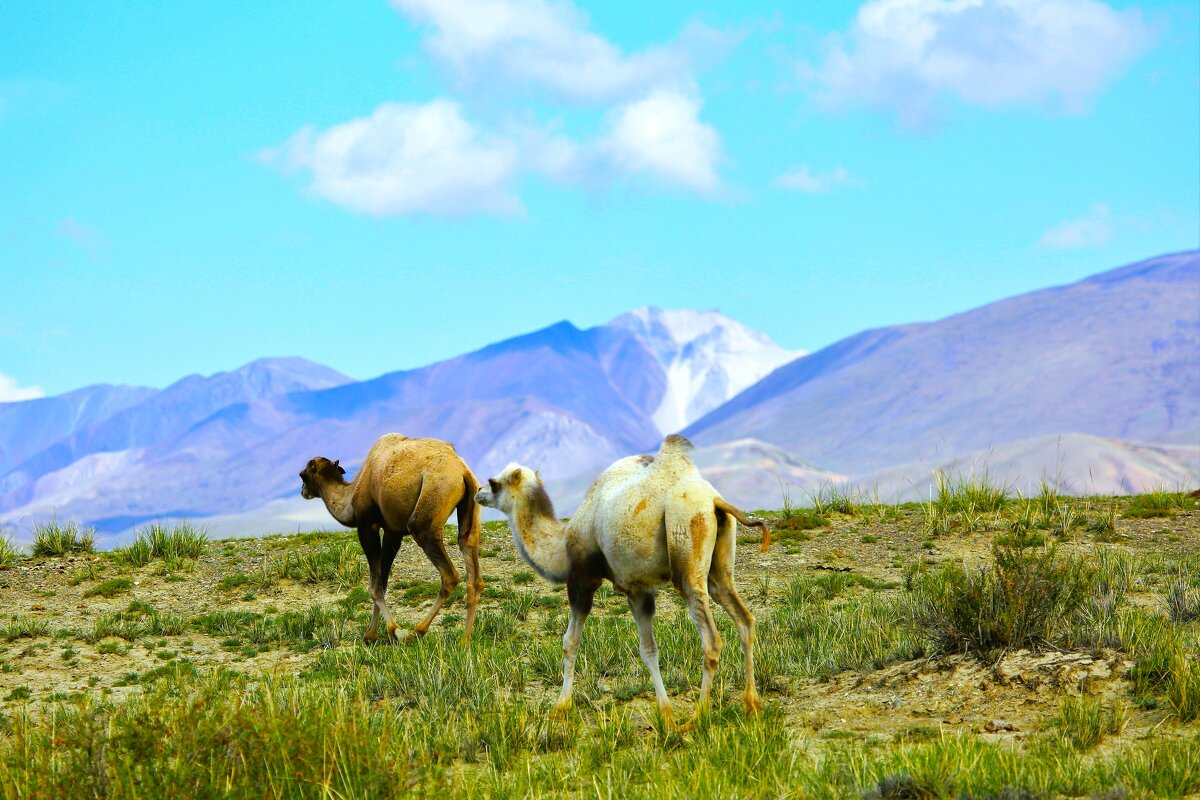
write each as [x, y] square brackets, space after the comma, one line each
[470, 517]
[723, 505]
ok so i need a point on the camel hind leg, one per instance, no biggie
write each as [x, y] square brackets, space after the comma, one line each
[435, 549]
[720, 586]
[470, 523]
[690, 549]
[425, 526]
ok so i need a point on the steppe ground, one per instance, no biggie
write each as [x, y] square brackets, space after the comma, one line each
[886, 670]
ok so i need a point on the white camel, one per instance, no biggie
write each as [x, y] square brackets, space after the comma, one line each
[646, 521]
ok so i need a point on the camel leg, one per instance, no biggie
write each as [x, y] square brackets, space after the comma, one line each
[580, 595]
[391, 546]
[470, 522]
[642, 606]
[435, 548]
[368, 537]
[690, 549]
[701, 614]
[720, 586]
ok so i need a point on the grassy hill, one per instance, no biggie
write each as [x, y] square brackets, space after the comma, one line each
[977, 645]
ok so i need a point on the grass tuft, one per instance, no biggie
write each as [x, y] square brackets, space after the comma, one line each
[1084, 721]
[9, 552]
[110, 588]
[1159, 503]
[54, 539]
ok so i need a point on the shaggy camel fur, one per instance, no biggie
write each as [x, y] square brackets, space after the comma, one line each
[405, 486]
[645, 521]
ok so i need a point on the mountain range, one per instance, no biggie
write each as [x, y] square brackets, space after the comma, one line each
[1094, 386]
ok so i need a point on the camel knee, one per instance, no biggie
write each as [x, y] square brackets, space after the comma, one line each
[712, 656]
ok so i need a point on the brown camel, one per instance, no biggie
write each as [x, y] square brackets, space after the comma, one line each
[646, 521]
[405, 486]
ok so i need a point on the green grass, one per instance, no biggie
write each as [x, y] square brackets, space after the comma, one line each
[1160, 503]
[1085, 721]
[173, 545]
[23, 626]
[432, 718]
[9, 552]
[233, 581]
[54, 539]
[794, 519]
[338, 561]
[830, 498]
[1182, 600]
[110, 588]
[432, 722]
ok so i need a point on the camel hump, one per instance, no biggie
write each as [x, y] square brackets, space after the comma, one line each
[675, 444]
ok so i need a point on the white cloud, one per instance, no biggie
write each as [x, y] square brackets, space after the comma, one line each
[803, 179]
[10, 392]
[662, 135]
[545, 44]
[1090, 230]
[406, 159]
[906, 54]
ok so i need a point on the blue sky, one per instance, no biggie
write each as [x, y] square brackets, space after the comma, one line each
[188, 186]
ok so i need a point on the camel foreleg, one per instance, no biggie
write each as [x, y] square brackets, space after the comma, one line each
[642, 607]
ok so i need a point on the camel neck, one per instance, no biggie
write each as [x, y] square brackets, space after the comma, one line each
[542, 542]
[338, 498]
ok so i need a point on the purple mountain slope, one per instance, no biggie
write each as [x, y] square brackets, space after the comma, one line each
[1116, 356]
[566, 398]
[160, 417]
[30, 426]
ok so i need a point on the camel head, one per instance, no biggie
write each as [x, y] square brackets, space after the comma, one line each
[316, 473]
[514, 487]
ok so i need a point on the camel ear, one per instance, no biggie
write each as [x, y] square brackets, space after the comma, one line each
[338, 464]
[515, 478]
[538, 474]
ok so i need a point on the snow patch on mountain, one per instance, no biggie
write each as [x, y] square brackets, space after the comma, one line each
[707, 358]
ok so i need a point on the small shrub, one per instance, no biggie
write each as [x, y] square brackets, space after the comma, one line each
[1022, 600]
[53, 539]
[522, 577]
[110, 588]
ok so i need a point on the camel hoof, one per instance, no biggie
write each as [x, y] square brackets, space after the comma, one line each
[392, 628]
[667, 715]
[370, 637]
[561, 709]
[753, 705]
